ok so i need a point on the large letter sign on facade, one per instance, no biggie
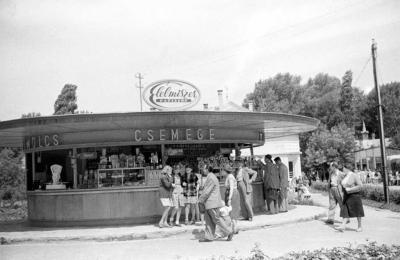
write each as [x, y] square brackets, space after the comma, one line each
[171, 95]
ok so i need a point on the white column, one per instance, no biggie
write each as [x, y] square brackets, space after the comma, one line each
[297, 166]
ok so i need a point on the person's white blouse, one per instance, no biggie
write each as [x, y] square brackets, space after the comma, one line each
[230, 181]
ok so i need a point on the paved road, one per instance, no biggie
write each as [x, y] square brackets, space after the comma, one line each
[379, 225]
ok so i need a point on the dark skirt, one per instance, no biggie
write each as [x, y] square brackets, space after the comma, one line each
[235, 213]
[352, 206]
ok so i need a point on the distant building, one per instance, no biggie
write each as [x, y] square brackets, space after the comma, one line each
[368, 153]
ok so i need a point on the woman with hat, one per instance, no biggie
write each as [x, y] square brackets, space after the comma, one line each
[232, 195]
[166, 188]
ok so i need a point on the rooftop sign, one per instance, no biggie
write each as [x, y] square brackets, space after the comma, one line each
[171, 95]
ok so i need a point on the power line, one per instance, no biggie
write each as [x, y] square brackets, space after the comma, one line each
[236, 48]
[359, 76]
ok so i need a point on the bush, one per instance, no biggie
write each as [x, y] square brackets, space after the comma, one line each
[12, 175]
[368, 191]
[369, 251]
[363, 251]
[12, 193]
[320, 185]
[373, 192]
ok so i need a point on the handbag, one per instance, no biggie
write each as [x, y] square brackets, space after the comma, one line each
[202, 207]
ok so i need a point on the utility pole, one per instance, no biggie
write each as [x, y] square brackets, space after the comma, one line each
[140, 77]
[381, 131]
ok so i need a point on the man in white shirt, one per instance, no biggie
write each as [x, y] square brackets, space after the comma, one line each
[335, 195]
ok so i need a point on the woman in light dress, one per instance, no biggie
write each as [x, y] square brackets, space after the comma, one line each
[232, 198]
[178, 200]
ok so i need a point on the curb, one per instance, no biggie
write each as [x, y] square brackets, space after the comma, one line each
[150, 235]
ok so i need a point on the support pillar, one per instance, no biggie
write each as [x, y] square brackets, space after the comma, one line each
[163, 155]
[74, 167]
[33, 167]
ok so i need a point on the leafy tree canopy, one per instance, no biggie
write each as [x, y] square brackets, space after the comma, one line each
[390, 96]
[282, 93]
[346, 102]
[66, 101]
[325, 145]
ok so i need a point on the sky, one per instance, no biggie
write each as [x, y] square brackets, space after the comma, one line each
[214, 44]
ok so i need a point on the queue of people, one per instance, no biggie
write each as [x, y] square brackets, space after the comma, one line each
[199, 195]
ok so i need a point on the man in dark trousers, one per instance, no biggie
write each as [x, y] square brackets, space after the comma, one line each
[211, 201]
[271, 185]
[283, 184]
[335, 191]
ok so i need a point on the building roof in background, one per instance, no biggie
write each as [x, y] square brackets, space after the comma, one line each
[371, 143]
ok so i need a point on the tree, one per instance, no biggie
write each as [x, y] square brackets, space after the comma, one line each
[66, 101]
[321, 97]
[282, 93]
[325, 146]
[390, 96]
[359, 105]
[346, 99]
[12, 176]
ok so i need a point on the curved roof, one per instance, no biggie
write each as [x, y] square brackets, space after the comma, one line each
[274, 125]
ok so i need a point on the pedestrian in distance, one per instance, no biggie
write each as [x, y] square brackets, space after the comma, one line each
[210, 201]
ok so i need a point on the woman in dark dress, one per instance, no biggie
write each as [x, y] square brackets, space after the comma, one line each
[352, 204]
[189, 184]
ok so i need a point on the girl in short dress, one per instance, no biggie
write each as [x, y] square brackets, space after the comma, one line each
[166, 187]
[178, 200]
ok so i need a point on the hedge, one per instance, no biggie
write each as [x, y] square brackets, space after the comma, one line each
[371, 250]
[368, 191]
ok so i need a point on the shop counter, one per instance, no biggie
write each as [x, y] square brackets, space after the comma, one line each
[106, 206]
[91, 207]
